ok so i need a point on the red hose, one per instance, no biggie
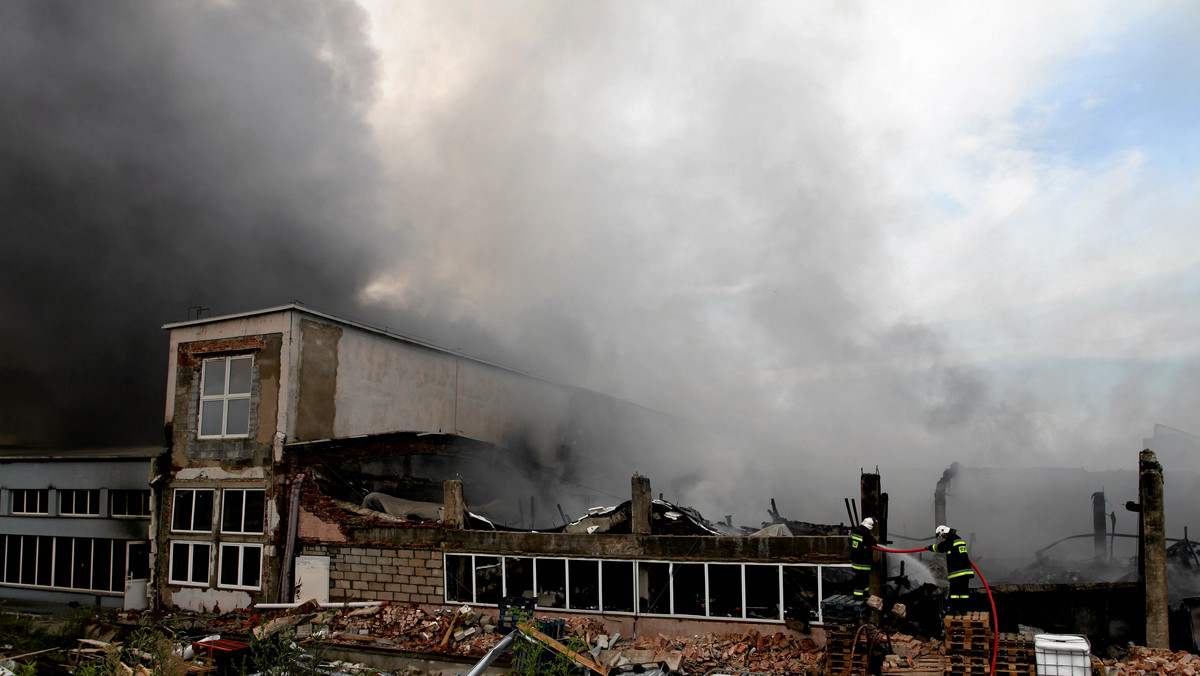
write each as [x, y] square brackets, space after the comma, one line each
[995, 623]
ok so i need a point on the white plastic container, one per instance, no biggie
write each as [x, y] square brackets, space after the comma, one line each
[1062, 655]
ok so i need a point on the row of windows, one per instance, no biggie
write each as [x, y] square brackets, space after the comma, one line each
[79, 502]
[243, 510]
[748, 591]
[239, 564]
[83, 564]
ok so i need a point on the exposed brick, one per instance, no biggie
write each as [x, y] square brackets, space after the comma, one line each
[367, 577]
[357, 551]
[424, 589]
[401, 597]
[351, 559]
[405, 570]
[348, 575]
[389, 570]
[357, 584]
[410, 588]
[371, 551]
[405, 553]
[358, 568]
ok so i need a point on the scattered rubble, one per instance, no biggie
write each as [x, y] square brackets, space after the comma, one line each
[1152, 661]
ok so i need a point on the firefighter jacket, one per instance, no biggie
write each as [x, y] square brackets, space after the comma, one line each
[861, 545]
[958, 564]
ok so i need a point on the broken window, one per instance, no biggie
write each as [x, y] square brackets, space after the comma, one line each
[78, 502]
[836, 580]
[762, 591]
[584, 575]
[687, 587]
[129, 503]
[190, 563]
[654, 587]
[225, 397]
[518, 576]
[724, 590]
[193, 511]
[240, 566]
[242, 510]
[551, 577]
[801, 596]
[489, 579]
[617, 581]
[29, 500]
[460, 581]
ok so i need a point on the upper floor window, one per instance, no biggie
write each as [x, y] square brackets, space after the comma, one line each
[242, 511]
[193, 510]
[29, 500]
[79, 502]
[133, 503]
[225, 397]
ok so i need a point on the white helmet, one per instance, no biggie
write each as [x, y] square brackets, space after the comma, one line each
[942, 530]
[868, 523]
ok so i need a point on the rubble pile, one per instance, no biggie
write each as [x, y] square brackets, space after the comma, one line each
[771, 653]
[910, 653]
[1153, 661]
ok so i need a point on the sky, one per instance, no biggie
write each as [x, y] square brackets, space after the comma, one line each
[873, 234]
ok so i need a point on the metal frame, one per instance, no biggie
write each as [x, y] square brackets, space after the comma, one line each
[221, 516]
[191, 546]
[241, 547]
[192, 518]
[224, 397]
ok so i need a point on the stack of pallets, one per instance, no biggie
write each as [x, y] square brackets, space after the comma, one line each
[1015, 656]
[844, 616]
[968, 644]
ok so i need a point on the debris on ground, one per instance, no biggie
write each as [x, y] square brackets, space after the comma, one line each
[1152, 661]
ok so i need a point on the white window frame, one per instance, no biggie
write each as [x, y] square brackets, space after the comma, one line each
[778, 575]
[192, 546]
[225, 492]
[224, 397]
[112, 497]
[12, 501]
[241, 548]
[192, 519]
[74, 493]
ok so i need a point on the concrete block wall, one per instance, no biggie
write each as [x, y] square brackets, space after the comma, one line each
[398, 574]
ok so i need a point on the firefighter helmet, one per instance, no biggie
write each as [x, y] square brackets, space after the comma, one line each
[942, 530]
[868, 523]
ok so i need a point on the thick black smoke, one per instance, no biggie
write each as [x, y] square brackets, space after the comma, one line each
[155, 156]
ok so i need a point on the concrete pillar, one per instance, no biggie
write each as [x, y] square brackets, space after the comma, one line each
[455, 512]
[1154, 541]
[640, 506]
[1099, 527]
[872, 506]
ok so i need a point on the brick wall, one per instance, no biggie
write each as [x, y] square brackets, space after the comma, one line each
[358, 573]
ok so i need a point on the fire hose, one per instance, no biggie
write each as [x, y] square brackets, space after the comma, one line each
[991, 599]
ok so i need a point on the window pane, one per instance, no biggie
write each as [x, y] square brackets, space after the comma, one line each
[117, 579]
[255, 511]
[181, 519]
[202, 518]
[231, 513]
[724, 590]
[12, 560]
[239, 417]
[800, 600]
[28, 559]
[488, 580]
[251, 562]
[654, 595]
[214, 377]
[45, 565]
[459, 578]
[762, 591]
[62, 561]
[585, 585]
[179, 561]
[689, 588]
[618, 585]
[81, 575]
[139, 561]
[229, 565]
[210, 417]
[200, 563]
[66, 502]
[551, 583]
[101, 564]
[239, 375]
[518, 576]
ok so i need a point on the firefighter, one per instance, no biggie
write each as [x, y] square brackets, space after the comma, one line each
[862, 557]
[958, 566]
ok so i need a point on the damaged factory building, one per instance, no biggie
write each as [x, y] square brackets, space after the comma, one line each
[313, 457]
